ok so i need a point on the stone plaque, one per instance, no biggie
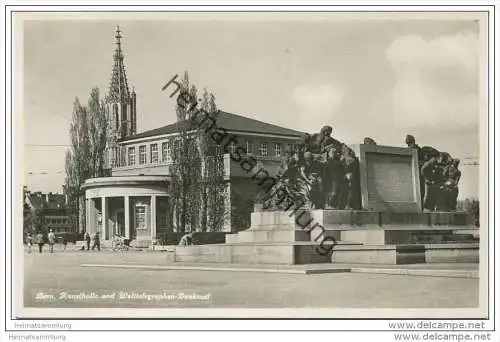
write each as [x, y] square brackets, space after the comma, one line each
[389, 178]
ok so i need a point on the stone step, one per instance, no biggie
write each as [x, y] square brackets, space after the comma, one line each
[280, 254]
[262, 235]
[265, 218]
[309, 253]
[362, 218]
[280, 226]
[246, 254]
[406, 254]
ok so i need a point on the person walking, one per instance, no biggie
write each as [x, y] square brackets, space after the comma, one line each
[87, 240]
[97, 242]
[52, 240]
[29, 241]
[39, 241]
[63, 240]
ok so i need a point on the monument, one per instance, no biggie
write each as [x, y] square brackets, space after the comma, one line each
[364, 203]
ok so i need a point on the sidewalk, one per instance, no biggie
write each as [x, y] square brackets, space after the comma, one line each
[469, 271]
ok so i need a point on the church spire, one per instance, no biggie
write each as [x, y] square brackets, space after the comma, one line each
[118, 88]
[120, 108]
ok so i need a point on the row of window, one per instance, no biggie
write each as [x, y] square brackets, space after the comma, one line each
[166, 151]
[62, 230]
[56, 221]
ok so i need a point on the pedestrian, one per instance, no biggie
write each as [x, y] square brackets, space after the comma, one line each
[186, 240]
[97, 242]
[52, 240]
[87, 240]
[39, 241]
[64, 242]
[29, 241]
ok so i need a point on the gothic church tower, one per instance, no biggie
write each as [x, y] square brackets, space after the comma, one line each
[120, 109]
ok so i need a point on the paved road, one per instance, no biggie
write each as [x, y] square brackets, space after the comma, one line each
[49, 276]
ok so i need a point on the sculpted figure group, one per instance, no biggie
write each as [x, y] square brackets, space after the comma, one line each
[439, 177]
[321, 173]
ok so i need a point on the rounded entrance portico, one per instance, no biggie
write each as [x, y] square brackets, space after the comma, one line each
[134, 207]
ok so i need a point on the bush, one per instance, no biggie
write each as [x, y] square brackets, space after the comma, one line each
[470, 206]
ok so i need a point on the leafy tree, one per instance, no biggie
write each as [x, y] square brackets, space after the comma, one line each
[470, 206]
[217, 210]
[197, 176]
[185, 166]
[97, 133]
[38, 220]
[85, 158]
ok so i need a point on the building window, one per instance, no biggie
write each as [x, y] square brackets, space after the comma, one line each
[277, 150]
[140, 217]
[114, 153]
[166, 151]
[123, 156]
[142, 154]
[154, 153]
[131, 155]
[290, 148]
[249, 147]
[263, 149]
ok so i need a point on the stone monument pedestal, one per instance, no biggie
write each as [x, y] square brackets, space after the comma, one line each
[278, 237]
[391, 228]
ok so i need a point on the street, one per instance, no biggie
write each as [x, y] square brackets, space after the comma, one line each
[58, 280]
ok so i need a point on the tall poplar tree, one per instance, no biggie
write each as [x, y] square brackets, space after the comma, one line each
[185, 166]
[85, 158]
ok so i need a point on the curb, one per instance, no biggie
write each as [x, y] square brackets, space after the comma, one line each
[226, 269]
[467, 274]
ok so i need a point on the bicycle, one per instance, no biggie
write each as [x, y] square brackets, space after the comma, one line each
[118, 243]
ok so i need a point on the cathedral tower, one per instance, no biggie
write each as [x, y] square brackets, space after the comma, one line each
[120, 108]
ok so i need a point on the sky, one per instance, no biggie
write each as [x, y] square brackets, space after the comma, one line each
[366, 76]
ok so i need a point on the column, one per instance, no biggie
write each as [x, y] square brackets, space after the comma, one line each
[126, 201]
[87, 215]
[91, 224]
[153, 217]
[104, 216]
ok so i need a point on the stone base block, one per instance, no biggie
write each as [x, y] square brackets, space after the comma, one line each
[352, 219]
[269, 236]
[404, 236]
[280, 236]
[279, 254]
[391, 255]
[308, 253]
[204, 253]
[240, 254]
[407, 254]
[271, 218]
[232, 238]
[458, 253]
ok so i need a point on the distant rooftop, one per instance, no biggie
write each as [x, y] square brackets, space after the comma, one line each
[47, 201]
[228, 121]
